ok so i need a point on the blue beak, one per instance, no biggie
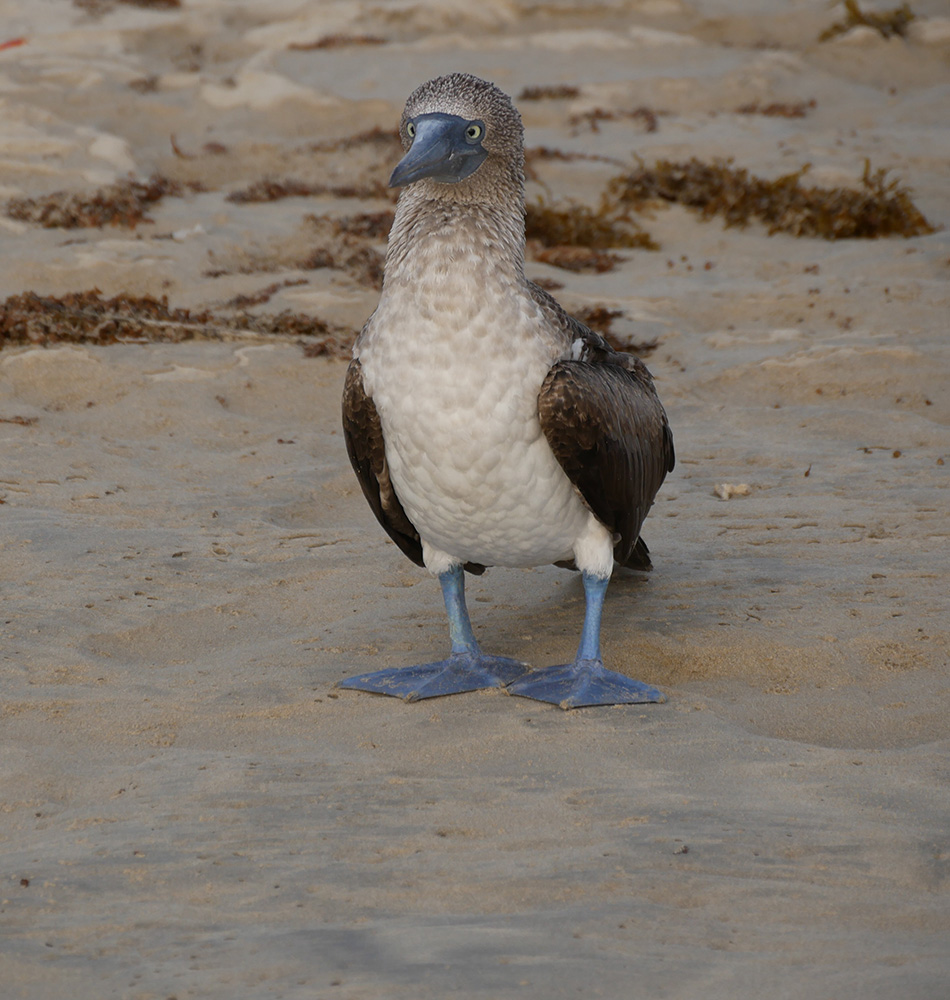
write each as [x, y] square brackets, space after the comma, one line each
[442, 149]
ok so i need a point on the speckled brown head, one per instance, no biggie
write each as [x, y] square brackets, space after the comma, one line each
[464, 141]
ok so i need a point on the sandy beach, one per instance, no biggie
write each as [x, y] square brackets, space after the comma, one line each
[190, 809]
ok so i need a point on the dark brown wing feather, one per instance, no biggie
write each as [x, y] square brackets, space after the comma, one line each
[365, 446]
[607, 428]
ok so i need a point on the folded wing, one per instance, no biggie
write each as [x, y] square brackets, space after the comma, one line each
[607, 428]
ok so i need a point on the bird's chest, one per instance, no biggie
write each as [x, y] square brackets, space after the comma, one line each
[456, 376]
[454, 370]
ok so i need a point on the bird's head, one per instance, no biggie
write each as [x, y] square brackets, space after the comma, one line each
[457, 129]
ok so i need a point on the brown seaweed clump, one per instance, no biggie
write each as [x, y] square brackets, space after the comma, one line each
[336, 42]
[537, 153]
[592, 118]
[579, 225]
[367, 225]
[264, 294]
[779, 109]
[268, 189]
[600, 319]
[347, 245]
[549, 92]
[888, 23]
[99, 7]
[87, 317]
[577, 238]
[371, 137]
[121, 204]
[881, 207]
[572, 258]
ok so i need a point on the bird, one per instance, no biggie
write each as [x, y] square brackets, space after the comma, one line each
[486, 426]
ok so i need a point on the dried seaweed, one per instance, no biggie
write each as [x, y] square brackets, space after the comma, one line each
[144, 84]
[548, 284]
[374, 136]
[99, 7]
[86, 317]
[549, 92]
[536, 153]
[577, 238]
[363, 264]
[593, 117]
[267, 189]
[881, 207]
[778, 110]
[578, 225]
[360, 261]
[888, 23]
[336, 42]
[571, 258]
[347, 246]
[600, 319]
[264, 295]
[330, 346]
[121, 204]
[330, 338]
[368, 225]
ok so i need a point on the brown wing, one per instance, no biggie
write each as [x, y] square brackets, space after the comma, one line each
[364, 445]
[607, 428]
[363, 433]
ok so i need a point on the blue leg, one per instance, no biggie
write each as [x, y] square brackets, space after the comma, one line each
[466, 668]
[586, 681]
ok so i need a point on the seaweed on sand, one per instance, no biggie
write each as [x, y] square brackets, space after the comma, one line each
[336, 42]
[579, 225]
[87, 317]
[778, 109]
[371, 137]
[888, 23]
[121, 204]
[881, 207]
[347, 245]
[600, 319]
[578, 238]
[268, 189]
[549, 92]
[592, 118]
[98, 7]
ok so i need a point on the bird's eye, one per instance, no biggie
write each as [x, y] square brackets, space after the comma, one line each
[411, 129]
[474, 132]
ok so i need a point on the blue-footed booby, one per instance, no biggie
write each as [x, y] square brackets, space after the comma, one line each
[487, 426]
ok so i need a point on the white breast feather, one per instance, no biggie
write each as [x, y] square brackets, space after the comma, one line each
[454, 362]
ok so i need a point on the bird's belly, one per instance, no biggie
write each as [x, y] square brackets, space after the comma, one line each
[481, 497]
[470, 463]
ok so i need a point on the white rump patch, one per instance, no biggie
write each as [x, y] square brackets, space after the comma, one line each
[594, 550]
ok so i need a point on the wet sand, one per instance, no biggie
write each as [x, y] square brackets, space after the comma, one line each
[189, 807]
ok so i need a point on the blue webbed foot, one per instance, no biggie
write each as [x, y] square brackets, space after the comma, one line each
[461, 671]
[583, 683]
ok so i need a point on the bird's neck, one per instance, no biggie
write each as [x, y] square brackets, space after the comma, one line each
[433, 236]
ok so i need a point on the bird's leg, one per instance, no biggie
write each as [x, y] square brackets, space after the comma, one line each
[586, 681]
[460, 626]
[595, 590]
[466, 668]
